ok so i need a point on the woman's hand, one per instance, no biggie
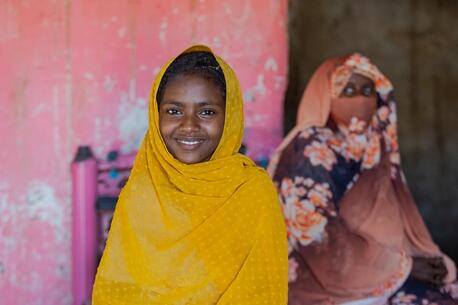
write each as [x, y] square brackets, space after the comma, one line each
[431, 270]
[451, 289]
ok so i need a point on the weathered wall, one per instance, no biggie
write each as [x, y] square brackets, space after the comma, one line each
[415, 43]
[79, 72]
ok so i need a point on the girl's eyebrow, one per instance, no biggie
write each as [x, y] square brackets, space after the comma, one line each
[208, 103]
[176, 103]
[200, 104]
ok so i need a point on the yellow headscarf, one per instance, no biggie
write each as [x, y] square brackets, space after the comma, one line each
[206, 233]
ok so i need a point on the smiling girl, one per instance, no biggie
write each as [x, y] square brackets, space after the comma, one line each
[197, 223]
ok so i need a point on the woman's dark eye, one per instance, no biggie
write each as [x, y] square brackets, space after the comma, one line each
[368, 91]
[348, 91]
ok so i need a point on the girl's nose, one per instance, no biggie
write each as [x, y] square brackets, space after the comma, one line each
[190, 123]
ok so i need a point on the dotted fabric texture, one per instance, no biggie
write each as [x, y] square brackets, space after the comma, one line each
[207, 233]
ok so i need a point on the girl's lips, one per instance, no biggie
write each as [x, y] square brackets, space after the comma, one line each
[189, 143]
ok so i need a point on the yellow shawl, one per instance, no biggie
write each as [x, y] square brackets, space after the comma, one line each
[207, 233]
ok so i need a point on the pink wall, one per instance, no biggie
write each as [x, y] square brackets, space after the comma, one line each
[79, 72]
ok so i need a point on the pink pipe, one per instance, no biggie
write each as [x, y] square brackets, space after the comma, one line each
[84, 226]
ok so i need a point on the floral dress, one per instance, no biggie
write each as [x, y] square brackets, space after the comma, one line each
[316, 170]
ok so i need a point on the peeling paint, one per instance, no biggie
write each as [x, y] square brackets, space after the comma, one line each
[133, 123]
[23, 261]
[122, 32]
[163, 31]
[260, 87]
[108, 83]
[217, 42]
[271, 64]
[88, 76]
[42, 205]
[258, 90]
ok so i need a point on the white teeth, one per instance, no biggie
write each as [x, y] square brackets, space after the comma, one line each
[189, 142]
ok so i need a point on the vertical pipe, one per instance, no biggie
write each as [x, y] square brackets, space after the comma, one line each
[84, 226]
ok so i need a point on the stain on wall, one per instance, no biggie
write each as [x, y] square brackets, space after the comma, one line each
[415, 43]
[79, 72]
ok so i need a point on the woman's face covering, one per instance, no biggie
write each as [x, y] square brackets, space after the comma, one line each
[191, 118]
[357, 99]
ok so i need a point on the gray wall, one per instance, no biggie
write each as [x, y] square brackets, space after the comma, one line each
[415, 43]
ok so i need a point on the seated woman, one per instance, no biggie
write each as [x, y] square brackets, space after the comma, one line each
[355, 233]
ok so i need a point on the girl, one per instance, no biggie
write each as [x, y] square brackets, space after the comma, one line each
[354, 230]
[197, 223]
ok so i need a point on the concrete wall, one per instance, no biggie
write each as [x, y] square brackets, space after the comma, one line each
[79, 72]
[415, 43]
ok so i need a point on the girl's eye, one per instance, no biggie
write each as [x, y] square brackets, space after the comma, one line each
[207, 112]
[368, 91]
[173, 112]
[348, 91]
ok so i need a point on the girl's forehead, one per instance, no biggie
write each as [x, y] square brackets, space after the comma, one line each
[193, 89]
[191, 80]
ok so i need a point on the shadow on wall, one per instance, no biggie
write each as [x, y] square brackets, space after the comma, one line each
[415, 44]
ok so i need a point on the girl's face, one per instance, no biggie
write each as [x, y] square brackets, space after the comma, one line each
[191, 118]
[358, 99]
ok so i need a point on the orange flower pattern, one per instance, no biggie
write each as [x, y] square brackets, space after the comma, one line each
[417, 293]
[390, 285]
[292, 269]
[401, 298]
[305, 203]
[320, 154]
